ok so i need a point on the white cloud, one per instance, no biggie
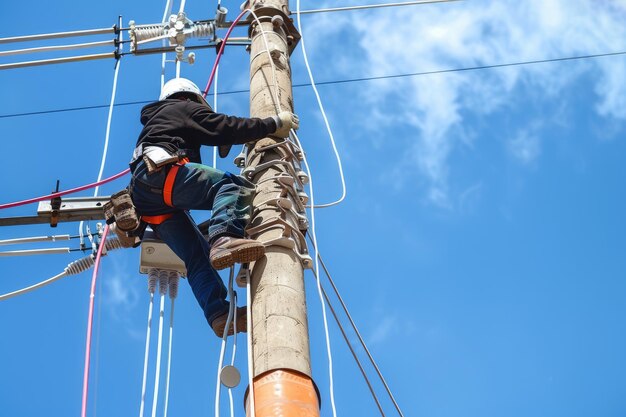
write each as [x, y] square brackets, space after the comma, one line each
[525, 147]
[466, 34]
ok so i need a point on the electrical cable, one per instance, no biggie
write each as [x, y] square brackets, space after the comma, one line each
[374, 6]
[163, 284]
[173, 292]
[321, 106]
[234, 354]
[166, 12]
[33, 287]
[221, 52]
[62, 193]
[92, 296]
[358, 362]
[356, 330]
[220, 363]
[319, 285]
[153, 276]
[217, 70]
[73, 268]
[107, 135]
[349, 80]
[34, 239]
[249, 343]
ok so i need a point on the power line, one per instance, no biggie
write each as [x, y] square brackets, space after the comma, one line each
[374, 6]
[349, 80]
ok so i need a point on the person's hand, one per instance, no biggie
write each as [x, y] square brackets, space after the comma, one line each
[285, 121]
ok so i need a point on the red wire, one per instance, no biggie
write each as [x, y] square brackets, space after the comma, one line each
[92, 298]
[62, 193]
[221, 52]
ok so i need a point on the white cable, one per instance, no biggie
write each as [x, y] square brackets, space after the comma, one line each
[232, 358]
[166, 13]
[231, 308]
[29, 252]
[73, 268]
[319, 285]
[321, 106]
[173, 292]
[217, 71]
[33, 287]
[163, 283]
[249, 337]
[34, 239]
[152, 278]
[108, 130]
[375, 6]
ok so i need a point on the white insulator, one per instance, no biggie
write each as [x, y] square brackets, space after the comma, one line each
[113, 243]
[201, 30]
[80, 265]
[174, 280]
[142, 33]
[164, 278]
[153, 276]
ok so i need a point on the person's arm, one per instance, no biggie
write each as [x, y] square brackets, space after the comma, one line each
[219, 129]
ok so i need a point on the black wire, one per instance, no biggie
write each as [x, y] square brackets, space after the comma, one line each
[358, 362]
[356, 330]
[350, 80]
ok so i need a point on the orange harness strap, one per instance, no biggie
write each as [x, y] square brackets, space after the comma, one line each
[168, 187]
[156, 219]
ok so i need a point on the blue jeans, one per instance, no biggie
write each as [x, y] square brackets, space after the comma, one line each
[199, 187]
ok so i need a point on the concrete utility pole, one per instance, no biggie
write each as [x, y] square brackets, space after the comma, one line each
[280, 342]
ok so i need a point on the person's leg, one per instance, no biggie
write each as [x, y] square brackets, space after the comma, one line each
[183, 237]
[230, 197]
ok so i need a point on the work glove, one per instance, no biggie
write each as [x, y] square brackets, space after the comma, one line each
[285, 121]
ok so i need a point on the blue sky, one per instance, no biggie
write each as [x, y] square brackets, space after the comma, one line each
[480, 247]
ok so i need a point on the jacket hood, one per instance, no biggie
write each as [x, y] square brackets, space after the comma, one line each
[148, 111]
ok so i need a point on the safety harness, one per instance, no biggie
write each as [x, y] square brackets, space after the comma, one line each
[129, 225]
[168, 188]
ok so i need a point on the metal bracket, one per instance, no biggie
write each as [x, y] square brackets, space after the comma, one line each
[279, 18]
[291, 239]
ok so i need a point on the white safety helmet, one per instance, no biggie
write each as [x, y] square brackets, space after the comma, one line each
[181, 85]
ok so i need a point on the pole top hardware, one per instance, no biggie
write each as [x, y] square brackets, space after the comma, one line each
[177, 30]
[278, 18]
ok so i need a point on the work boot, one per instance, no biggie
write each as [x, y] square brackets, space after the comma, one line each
[227, 250]
[220, 322]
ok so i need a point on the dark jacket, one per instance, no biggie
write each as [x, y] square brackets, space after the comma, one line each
[187, 125]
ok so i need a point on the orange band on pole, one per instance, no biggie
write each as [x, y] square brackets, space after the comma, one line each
[284, 392]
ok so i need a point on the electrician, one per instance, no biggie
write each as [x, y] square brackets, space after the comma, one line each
[168, 180]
